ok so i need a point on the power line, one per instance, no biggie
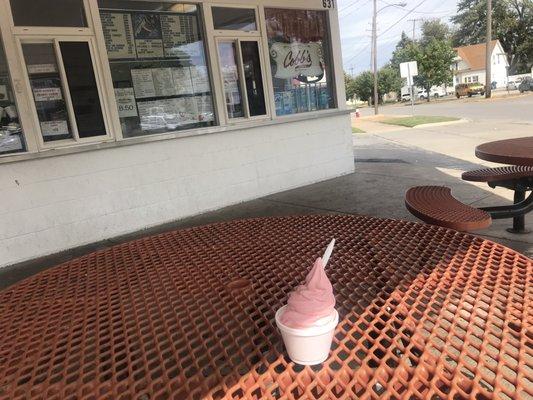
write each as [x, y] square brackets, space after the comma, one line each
[402, 18]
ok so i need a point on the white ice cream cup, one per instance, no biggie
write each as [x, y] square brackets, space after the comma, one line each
[311, 345]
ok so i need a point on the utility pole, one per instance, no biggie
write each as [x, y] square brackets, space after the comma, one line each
[375, 56]
[488, 59]
[414, 21]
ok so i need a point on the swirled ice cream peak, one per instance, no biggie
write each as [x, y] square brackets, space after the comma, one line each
[312, 301]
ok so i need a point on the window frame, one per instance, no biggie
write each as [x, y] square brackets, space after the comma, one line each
[55, 40]
[242, 83]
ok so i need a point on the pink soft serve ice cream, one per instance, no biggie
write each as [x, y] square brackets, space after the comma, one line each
[310, 302]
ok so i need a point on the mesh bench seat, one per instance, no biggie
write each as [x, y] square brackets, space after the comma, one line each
[436, 205]
[499, 174]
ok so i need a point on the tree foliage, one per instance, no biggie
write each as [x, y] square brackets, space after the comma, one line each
[512, 25]
[363, 84]
[433, 53]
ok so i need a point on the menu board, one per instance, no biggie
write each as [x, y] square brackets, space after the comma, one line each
[178, 30]
[118, 35]
[148, 35]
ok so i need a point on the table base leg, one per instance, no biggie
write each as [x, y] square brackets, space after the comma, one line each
[519, 223]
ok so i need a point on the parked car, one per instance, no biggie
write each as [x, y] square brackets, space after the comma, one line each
[435, 93]
[511, 85]
[526, 85]
[469, 89]
[406, 97]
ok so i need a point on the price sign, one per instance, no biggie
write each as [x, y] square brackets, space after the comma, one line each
[329, 4]
[126, 104]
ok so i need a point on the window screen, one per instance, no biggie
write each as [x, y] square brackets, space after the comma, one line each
[232, 18]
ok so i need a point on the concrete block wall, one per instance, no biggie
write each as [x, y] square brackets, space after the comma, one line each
[53, 204]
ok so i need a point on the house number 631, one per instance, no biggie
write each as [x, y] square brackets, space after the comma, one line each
[328, 3]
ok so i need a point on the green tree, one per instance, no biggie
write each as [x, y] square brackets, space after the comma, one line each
[434, 60]
[363, 85]
[512, 25]
[349, 84]
[388, 81]
[433, 53]
[401, 53]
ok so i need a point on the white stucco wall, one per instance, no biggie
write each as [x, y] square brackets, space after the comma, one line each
[57, 203]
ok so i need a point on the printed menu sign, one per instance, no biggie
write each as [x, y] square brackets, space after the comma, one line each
[118, 35]
[54, 128]
[47, 94]
[143, 83]
[148, 36]
[126, 104]
[163, 83]
[200, 79]
[182, 80]
[177, 31]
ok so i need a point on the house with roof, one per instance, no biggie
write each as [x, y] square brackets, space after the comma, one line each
[469, 65]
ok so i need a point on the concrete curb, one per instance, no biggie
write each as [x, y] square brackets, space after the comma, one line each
[460, 121]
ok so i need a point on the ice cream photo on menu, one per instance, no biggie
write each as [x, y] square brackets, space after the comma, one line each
[309, 319]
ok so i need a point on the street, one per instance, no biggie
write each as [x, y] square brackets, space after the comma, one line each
[518, 108]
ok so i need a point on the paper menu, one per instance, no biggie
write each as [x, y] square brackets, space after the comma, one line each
[118, 35]
[163, 82]
[143, 83]
[182, 80]
[200, 79]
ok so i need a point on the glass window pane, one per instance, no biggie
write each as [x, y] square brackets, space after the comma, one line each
[47, 91]
[230, 75]
[157, 57]
[253, 78]
[300, 60]
[83, 90]
[63, 13]
[232, 18]
[11, 136]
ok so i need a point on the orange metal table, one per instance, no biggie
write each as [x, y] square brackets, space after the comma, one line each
[426, 313]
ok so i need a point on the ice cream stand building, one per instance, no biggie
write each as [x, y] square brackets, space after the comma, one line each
[118, 115]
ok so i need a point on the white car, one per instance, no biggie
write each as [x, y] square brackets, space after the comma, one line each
[434, 92]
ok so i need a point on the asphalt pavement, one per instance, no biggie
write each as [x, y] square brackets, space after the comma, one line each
[513, 109]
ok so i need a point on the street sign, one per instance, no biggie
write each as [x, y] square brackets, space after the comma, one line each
[409, 70]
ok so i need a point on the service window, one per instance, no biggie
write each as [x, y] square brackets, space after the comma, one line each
[65, 90]
[11, 136]
[56, 13]
[300, 59]
[158, 65]
[240, 68]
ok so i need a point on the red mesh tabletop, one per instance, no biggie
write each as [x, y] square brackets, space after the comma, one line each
[510, 151]
[425, 313]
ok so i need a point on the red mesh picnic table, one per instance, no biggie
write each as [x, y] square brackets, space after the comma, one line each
[425, 313]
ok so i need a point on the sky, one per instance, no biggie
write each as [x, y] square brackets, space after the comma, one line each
[355, 17]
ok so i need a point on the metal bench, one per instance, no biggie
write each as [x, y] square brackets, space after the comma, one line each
[436, 205]
[516, 178]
